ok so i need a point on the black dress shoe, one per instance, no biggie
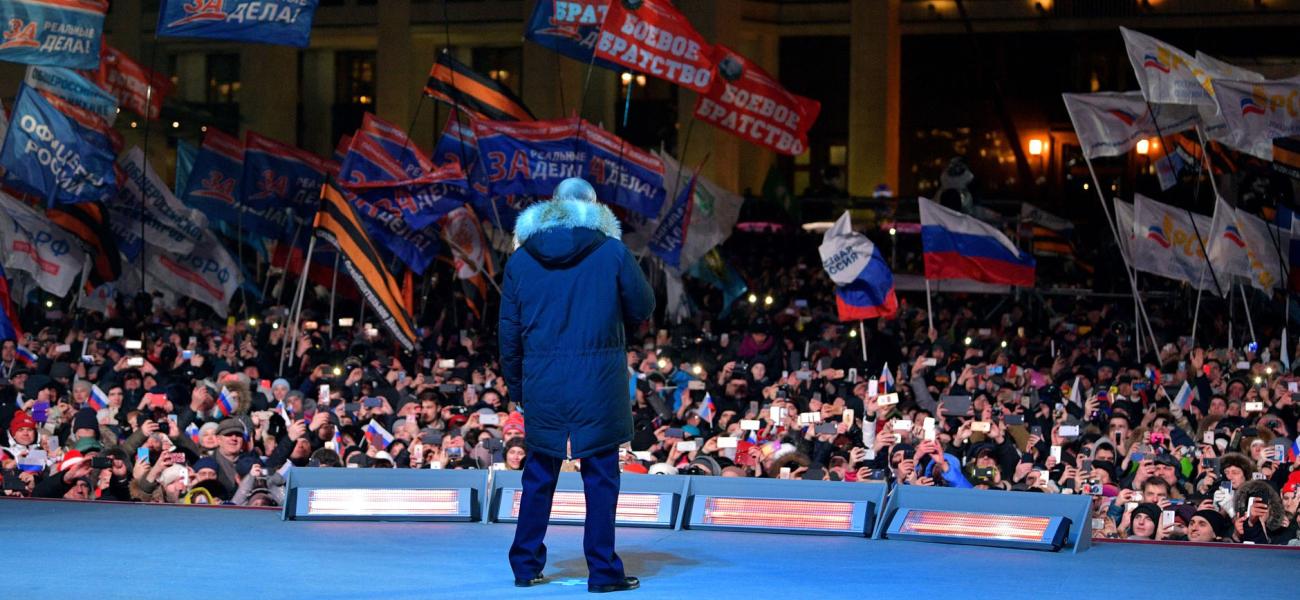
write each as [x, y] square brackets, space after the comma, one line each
[629, 583]
[538, 580]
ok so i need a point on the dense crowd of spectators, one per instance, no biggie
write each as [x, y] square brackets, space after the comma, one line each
[1005, 393]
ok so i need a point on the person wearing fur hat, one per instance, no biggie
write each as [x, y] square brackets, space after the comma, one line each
[1260, 517]
[569, 289]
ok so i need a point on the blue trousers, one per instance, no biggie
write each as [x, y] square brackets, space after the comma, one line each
[600, 482]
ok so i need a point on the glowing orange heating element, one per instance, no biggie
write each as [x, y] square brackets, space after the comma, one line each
[383, 502]
[785, 514]
[998, 527]
[638, 508]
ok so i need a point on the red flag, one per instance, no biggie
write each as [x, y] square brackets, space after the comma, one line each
[656, 39]
[129, 82]
[749, 103]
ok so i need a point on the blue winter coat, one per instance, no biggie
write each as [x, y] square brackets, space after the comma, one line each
[569, 288]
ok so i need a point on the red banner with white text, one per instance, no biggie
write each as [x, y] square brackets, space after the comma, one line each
[655, 39]
[751, 104]
[129, 81]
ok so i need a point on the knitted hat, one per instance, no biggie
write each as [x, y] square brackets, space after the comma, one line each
[515, 422]
[207, 462]
[1216, 521]
[85, 419]
[21, 420]
[1151, 510]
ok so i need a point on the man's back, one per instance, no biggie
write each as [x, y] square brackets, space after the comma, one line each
[568, 290]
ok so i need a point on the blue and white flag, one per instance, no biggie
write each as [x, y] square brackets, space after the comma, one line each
[213, 185]
[281, 183]
[280, 22]
[864, 284]
[73, 88]
[58, 33]
[186, 152]
[57, 151]
[569, 28]
[670, 236]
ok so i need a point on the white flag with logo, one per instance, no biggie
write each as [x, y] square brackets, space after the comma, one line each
[1257, 112]
[1227, 245]
[35, 245]
[1111, 123]
[1166, 243]
[713, 214]
[168, 223]
[207, 273]
[845, 252]
[1165, 73]
[1266, 249]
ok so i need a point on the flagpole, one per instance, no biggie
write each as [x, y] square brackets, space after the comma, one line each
[1123, 252]
[288, 257]
[862, 335]
[334, 282]
[1246, 305]
[929, 306]
[296, 311]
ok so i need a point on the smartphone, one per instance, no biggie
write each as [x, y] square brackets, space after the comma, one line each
[728, 442]
[372, 402]
[134, 344]
[142, 454]
[345, 322]
[776, 413]
[826, 429]
[1014, 419]
[688, 446]
[455, 452]
[695, 385]
[903, 425]
[675, 433]
[931, 362]
[41, 411]
[447, 363]
[114, 332]
[178, 458]
[853, 375]
[750, 424]
[310, 326]
[955, 405]
[848, 417]
[187, 354]
[753, 408]
[785, 473]
[63, 348]
[492, 419]
[980, 426]
[1069, 431]
[889, 399]
[1254, 407]
[135, 361]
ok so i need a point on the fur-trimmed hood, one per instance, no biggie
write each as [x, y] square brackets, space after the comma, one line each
[565, 214]
[1261, 489]
[1239, 460]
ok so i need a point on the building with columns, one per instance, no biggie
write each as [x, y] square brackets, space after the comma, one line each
[904, 84]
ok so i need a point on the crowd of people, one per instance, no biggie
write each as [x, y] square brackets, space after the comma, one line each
[168, 404]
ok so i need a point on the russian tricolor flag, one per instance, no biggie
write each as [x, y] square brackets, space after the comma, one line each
[887, 379]
[192, 430]
[377, 436]
[959, 246]
[864, 285]
[225, 405]
[26, 356]
[706, 408]
[98, 399]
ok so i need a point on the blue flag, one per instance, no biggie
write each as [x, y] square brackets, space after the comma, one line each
[280, 187]
[58, 151]
[281, 22]
[669, 238]
[530, 159]
[73, 88]
[572, 32]
[58, 33]
[8, 318]
[714, 270]
[185, 155]
[213, 185]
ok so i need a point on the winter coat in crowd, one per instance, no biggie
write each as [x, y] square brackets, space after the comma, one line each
[1275, 529]
[569, 289]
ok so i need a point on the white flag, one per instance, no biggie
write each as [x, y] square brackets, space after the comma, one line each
[1266, 247]
[168, 223]
[35, 245]
[1166, 74]
[1227, 246]
[1166, 243]
[845, 252]
[713, 215]
[1257, 112]
[207, 273]
[1111, 123]
[1214, 68]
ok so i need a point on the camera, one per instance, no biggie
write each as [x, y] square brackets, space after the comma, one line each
[1092, 487]
[451, 388]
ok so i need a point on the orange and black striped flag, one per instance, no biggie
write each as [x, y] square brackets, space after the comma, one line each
[89, 222]
[454, 83]
[338, 224]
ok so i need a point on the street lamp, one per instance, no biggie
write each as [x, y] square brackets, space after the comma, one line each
[1035, 147]
[1144, 147]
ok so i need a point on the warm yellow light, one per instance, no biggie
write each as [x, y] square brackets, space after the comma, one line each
[768, 300]
[893, 231]
[1143, 147]
[853, 333]
[252, 321]
[1035, 147]
[176, 124]
[640, 80]
[627, 78]
[753, 298]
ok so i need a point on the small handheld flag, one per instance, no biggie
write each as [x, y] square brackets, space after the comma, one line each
[706, 408]
[225, 404]
[192, 430]
[1184, 397]
[27, 357]
[377, 436]
[98, 399]
[887, 379]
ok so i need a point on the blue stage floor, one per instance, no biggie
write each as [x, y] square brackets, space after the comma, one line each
[101, 550]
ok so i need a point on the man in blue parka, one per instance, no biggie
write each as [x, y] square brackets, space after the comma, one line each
[569, 288]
